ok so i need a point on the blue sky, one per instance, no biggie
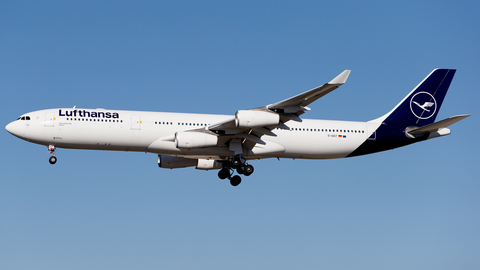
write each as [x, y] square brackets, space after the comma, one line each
[412, 208]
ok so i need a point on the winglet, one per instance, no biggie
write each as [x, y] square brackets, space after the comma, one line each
[341, 78]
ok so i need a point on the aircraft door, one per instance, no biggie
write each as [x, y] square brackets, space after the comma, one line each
[48, 119]
[373, 132]
[136, 122]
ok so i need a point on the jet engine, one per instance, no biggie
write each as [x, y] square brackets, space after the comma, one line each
[251, 118]
[189, 140]
[170, 162]
[208, 164]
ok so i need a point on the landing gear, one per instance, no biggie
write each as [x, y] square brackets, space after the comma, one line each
[239, 164]
[53, 158]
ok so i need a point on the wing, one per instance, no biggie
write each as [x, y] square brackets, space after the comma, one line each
[248, 126]
[304, 99]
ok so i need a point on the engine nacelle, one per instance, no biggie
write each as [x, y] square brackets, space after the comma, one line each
[189, 140]
[170, 162]
[250, 118]
[208, 164]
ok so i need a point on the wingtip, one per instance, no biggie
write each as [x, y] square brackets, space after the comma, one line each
[341, 78]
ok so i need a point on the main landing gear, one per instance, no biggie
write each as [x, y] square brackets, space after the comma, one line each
[53, 158]
[238, 164]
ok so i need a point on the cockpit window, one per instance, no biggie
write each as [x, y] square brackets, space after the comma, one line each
[24, 118]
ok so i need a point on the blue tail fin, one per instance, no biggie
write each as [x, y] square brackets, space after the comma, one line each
[421, 106]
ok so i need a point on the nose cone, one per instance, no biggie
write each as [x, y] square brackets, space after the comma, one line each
[14, 128]
[9, 127]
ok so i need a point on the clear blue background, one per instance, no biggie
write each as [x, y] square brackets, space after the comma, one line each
[412, 208]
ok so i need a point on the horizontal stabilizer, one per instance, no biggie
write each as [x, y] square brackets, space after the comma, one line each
[438, 125]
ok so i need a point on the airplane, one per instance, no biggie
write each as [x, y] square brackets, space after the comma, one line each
[228, 142]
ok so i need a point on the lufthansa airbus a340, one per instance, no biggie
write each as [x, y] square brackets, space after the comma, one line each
[227, 142]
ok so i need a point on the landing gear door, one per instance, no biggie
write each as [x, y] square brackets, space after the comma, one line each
[372, 131]
[48, 119]
[135, 122]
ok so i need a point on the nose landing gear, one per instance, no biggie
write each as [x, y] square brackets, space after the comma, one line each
[53, 158]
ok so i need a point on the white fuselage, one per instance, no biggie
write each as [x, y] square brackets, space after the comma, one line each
[99, 129]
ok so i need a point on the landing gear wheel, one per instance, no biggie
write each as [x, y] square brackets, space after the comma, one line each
[248, 170]
[52, 160]
[241, 170]
[235, 180]
[236, 163]
[224, 173]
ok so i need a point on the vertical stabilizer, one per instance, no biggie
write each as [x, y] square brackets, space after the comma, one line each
[421, 106]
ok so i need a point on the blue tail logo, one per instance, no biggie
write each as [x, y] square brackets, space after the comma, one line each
[423, 105]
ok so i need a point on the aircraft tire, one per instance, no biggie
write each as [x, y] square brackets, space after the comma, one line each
[241, 170]
[224, 173]
[235, 180]
[52, 160]
[236, 163]
[248, 170]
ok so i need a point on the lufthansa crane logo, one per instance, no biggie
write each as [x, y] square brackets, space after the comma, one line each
[423, 105]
